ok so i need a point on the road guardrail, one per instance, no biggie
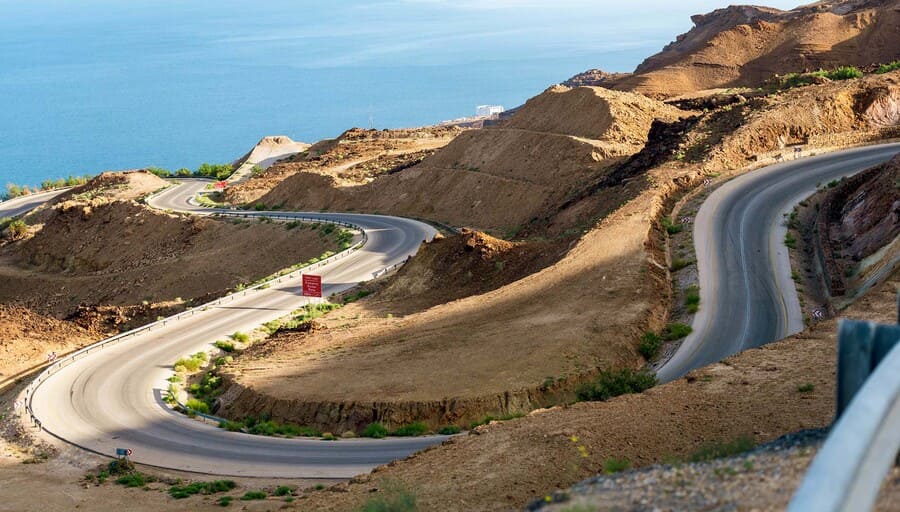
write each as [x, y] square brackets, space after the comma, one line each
[847, 473]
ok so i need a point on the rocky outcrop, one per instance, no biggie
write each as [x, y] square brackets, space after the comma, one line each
[856, 220]
[743, 46]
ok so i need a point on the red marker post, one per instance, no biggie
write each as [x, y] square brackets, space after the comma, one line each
[312, 285]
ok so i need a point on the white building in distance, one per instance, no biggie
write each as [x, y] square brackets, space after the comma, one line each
[488, 110]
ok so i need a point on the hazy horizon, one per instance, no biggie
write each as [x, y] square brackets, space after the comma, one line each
[104, 85]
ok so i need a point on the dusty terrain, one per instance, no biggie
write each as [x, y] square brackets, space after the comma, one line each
[96, 262]
[90, 250]
[744, 46]
[353, 157]
[762, 479]
[753, 394]
[454, 357]
[502, 178]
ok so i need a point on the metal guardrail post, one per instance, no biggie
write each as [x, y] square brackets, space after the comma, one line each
[848, 471]
[861, 346]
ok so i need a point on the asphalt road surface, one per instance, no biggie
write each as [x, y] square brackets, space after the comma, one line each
[113, 398]
[747, 295]
[24, 204]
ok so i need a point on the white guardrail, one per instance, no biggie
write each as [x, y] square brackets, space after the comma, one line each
[69, 359]
[848, 472]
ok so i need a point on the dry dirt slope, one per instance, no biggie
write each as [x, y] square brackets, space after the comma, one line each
[504, 177]
[505, 465]
[743, 46]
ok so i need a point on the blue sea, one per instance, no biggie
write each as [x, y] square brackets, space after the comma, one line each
[93, 85]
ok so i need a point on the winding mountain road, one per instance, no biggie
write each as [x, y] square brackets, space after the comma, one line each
[113, 398]
[747, 296]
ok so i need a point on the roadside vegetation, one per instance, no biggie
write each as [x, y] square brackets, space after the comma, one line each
[887, 68]
[215, 171]
[792, 80]
[266, 427]
[612, 383]
[13, 229]
[13, 190]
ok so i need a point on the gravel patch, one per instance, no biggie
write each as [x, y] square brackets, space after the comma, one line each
[761, 479]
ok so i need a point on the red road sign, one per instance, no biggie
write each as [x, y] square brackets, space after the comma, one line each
[220, 185]
[312, 285]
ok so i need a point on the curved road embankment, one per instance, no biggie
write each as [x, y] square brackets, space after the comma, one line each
[112, 398]
[747, 295]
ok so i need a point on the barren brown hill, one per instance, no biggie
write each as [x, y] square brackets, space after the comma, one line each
[503, 177]
[823, 115]
[350, 158]
[455, 358]
[754, 394]
[743, 46]
[94, 249]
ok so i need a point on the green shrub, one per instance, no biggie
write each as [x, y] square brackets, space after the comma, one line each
[375, 431]
[356, 296]
[612, 383]
[671, 227]
[844, 73]
[259, 207]
[449, 430]
[133, 480]
[650, 345]
[805, 388]
[722, 450]
[215, 171]
[612, 465]
[692, 299]
[231, 426]
[676, 331]
[790, 241]
[241, 337]
[253, 495]
[225, 346]
[224, 501]
[679, 263]
[283, 490]
[183, 491]
[17, 229]
[411, 430]
[197, 406]
[887, 68]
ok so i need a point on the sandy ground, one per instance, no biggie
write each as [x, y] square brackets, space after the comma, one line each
[454, 363]
[752, 394]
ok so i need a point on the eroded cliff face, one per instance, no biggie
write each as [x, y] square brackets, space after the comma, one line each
[859, 228]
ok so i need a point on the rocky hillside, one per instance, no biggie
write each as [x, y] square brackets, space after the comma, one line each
[504, 177]
[744, 46]
[858, 228]
[96, 247]
[354, 157]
